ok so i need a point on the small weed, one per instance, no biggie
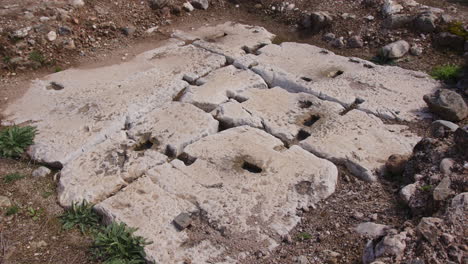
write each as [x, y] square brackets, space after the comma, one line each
[12, 177]
[117, 244]
[6, 59]
[14, 140]
[447, 72]
[37, 56]
[82, 216]
[304, 236]
[46, 194]
[12, 210]
[458, 29]
[58, 69]
[426, 188]
[35, 213]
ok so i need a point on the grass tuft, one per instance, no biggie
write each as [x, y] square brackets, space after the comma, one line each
[80, 215]
[304, 236]
[12, 210]
[458, 29]
[14, 140]
[37, 57]
[12, 177]
[447, 72]
[426, 188]
[117, 244]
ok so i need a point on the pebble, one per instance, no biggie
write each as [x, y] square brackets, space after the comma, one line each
[4, 201]
[51, 36]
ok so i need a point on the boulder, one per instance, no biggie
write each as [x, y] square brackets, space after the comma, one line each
[426, 22]
[398, 21]
[447, 104]
[355, 42]
[442, 191]
[372, 230]
[395, 50]
[440, 128]
[407, 192]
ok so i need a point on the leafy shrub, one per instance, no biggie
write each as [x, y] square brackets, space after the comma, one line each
[12, 177]
[116, 244]
[14, 140]
[82, 216]
[446, 72]
[382, 60]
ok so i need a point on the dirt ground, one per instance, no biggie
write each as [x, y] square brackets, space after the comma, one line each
[34, 235]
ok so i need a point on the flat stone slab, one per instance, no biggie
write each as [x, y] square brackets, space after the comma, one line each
[245, 184]
[389, 92]
[78, 108]
[360, 141]
[221, 85]
[229, 39]
[109, 167]
[172, 127]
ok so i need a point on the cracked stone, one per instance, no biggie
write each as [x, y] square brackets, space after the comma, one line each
[103, 98]
[389, 92]
[220, 85]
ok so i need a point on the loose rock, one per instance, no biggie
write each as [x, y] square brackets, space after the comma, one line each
[395, 50]
[4, 202]
[41, 172]
[182, 221]
[426, 22]
[442, 191]
[440, 128]
[396, 164]
[447, 104]
[200, 4]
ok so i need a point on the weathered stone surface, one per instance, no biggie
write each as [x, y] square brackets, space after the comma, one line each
[428, 228]
[407, 192]
[440, 128]
[103, 171]
[395, 50]
[4, 201]
[359, 141]
[229, 39]
[41, 172]
[172, 127]
[246, 184]
[372, 230]
[447, 104]
[220, 85]
[281, 113]
[320, 128]
[87, 105]
[443, 191]
[389, 92]
[426, 22]
[391, 245]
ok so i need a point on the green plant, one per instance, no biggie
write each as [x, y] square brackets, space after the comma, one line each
[58, 69]
[446, 72]
[426, 188]
[12, 177]
[35, 213]
[6, 59]
[304, 236]
[457, 28]
[12, 210]
[14, 140]
[80, 215]
[116, 244]
[36, 56]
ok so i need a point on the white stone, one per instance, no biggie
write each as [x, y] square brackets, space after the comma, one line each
[174, 126]
[41, 172]
[4, 202]
[97, 174]
[51, 36]
[95, 103]
[220, 85]
[77, 3]
[389, 92]
[188, 7]
[227, 39]
[372, 230]
[390, 7]
[407, 192]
